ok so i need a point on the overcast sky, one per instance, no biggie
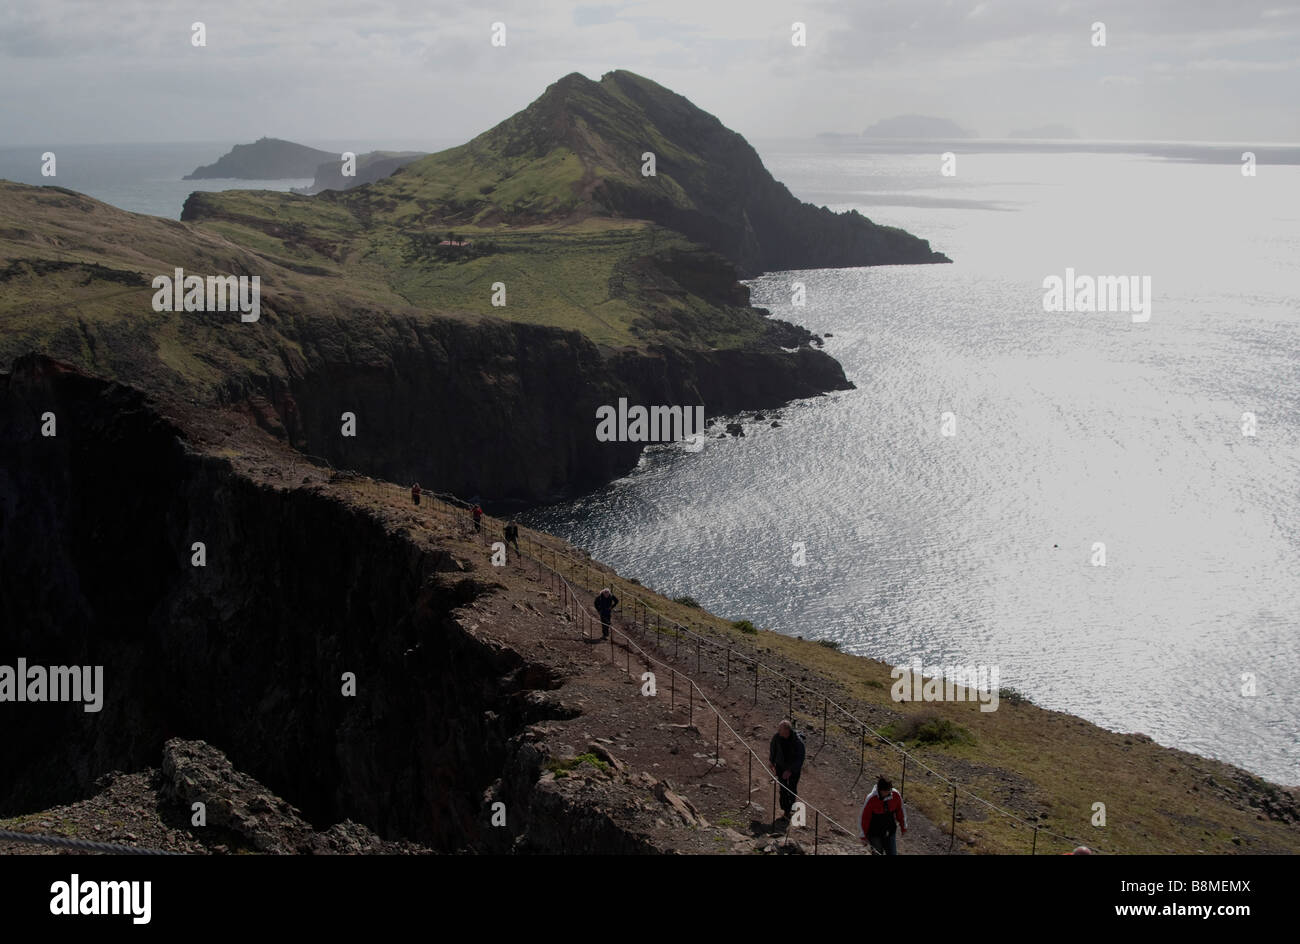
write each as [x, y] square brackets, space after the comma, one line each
[415, 71]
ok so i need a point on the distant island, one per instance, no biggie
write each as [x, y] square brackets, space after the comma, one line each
[1047, 132]
[917, 126]
[265, 159]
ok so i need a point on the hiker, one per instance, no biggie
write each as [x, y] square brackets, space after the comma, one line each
[786, 754]
[605, 603]
[512, 535]
[415, 493]
[881, 816]
[478, 519]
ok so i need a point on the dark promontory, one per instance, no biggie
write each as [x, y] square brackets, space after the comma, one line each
[265, 159]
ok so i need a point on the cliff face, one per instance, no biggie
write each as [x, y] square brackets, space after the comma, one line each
[247, 652]
[423, 415]
[345, 656]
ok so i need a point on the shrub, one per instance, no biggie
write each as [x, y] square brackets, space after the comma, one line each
[561, 768]
[745, 626]
[1012, 696]
[828, 643]
[926, 727]
[688, 601]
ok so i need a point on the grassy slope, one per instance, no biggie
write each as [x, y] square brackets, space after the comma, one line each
[321, 262]
[1046, 767]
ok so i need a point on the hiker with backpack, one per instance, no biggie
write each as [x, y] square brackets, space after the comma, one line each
[512, 535]
[478, 519]
[605, 603]
[882, 818]
[786, 754]
[415, 493]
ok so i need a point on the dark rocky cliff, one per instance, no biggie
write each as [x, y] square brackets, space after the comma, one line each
[96, 527]
[507, 411]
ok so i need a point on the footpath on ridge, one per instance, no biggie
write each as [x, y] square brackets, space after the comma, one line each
[673, 736]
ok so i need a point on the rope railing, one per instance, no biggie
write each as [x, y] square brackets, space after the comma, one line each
[83, 845]
[819, 695]
[461, 508]
[572, 598]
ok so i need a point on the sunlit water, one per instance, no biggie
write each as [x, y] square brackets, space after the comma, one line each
[1071, 429]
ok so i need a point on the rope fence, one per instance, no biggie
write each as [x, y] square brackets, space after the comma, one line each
[84, 845]
[461, 510]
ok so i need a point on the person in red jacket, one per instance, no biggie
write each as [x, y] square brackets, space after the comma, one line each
[478, 519]
[882, 816]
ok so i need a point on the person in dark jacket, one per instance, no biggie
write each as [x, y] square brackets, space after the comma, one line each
[415, 493]
[786, 754]
[882, 817]
[512, 535]
[605, 603]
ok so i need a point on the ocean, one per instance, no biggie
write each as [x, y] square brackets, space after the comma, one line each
[1070, 430]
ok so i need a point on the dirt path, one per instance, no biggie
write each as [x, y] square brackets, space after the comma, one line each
[672, 735]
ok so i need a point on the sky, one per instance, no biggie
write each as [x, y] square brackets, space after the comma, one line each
[411, 72]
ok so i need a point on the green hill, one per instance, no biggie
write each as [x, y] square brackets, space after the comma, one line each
[615, 284]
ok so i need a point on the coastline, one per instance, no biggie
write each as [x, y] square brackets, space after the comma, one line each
[497, 653]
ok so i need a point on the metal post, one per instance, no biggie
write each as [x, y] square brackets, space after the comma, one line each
[1033, 850]
[611, 643]
[903, 786]
[697, 657]
[677, 643]
[728, 682]
[774, 802]
[826, 704]
[690, 718]
[789, 699]
[749, 784]
[658, 630]
[717, 739]
[817, 826]
[672, 692]
[952, 837]
[629, 660]
[862, 752]
[756, 681]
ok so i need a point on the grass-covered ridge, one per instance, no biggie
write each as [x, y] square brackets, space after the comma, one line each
[552, 200]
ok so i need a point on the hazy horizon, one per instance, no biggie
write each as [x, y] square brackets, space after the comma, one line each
[1193, 72]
